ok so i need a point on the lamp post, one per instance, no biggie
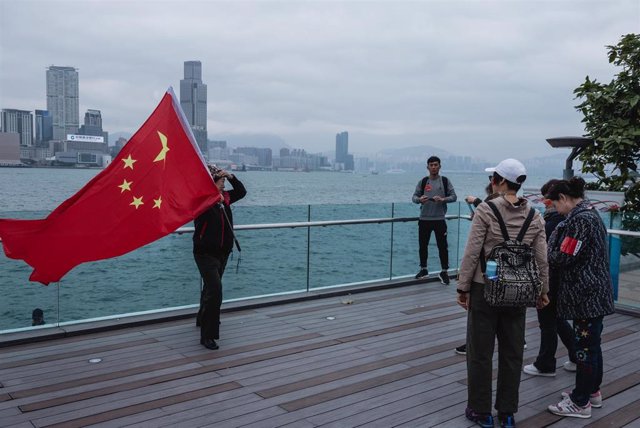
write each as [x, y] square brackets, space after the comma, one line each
[577, 144]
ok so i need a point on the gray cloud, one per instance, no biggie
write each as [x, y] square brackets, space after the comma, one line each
[486, 78]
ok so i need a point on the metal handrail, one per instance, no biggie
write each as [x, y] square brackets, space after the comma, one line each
[294, 225]
[623, 232]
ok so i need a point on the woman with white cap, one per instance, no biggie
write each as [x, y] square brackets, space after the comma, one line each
[485, 323]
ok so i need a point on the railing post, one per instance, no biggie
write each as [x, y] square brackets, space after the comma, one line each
[308, 246]
[391, 247]
[458, 246]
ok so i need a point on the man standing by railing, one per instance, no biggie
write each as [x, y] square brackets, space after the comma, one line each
[433, 193]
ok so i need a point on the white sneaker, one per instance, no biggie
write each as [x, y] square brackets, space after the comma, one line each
[530, 369]
[568, 408]
[569, 366]
[595, 399]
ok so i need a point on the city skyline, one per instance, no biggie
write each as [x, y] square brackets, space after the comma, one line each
[483, 77]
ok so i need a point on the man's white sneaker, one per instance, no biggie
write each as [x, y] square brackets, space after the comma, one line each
[568, 408]
[569, 366]
[530, 369]
[595, 399]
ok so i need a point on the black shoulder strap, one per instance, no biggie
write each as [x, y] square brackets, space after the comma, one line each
[503, 227]
[424, 183]
[525, 225]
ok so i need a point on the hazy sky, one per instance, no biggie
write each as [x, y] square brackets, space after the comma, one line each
[486, 78]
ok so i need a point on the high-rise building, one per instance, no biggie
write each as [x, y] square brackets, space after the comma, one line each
[343, 158]
[193, 100]
[63, 100]
[93, 125]
[20, 121]
[44, 127]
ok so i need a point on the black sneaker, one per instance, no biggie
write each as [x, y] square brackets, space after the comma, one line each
[423, 272]
[507, 420]
[462, 349]
[444, 277]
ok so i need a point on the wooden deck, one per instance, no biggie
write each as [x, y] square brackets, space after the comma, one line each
[377, 359]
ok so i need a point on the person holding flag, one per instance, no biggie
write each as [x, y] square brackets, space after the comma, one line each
[158, 182]
[213, 240]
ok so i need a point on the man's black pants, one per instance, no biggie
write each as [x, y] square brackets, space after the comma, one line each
[211, 269]
[424, 235]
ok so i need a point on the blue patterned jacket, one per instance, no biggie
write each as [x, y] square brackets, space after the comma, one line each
[578, 249]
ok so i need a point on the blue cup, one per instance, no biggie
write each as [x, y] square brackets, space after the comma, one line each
[492, 270]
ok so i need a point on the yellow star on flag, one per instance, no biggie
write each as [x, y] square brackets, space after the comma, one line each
[157, 202]
[128, 162]
[126, 185]
[137, 202]
[165, 147]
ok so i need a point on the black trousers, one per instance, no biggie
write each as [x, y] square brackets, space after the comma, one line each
[424, 235]
[550, 328]
[484, 324]
[211, 270]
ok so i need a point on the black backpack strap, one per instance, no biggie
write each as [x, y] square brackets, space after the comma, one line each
[423, 183]
[503, 227]
[525, 225]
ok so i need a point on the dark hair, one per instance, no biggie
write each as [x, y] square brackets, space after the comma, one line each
[511, 186]
[573, 188]
[546, 186]
[434, 159]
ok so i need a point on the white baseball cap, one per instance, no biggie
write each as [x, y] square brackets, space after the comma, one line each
[510, 169]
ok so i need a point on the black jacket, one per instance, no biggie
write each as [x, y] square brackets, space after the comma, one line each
[213, 233]
[578, 250]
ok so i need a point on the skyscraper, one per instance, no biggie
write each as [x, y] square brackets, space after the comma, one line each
[93, 125]
[63, 100]
[20, 121]
[193, 100]
[44, 127]
[342, 151]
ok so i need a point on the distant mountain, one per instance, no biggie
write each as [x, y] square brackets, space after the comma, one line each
[415, 152]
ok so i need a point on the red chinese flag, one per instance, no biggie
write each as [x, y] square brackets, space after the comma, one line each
[157, 183]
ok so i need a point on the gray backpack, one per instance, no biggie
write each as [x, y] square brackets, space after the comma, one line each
[517, 283]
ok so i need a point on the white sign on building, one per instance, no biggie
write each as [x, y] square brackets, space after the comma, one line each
[85, 138]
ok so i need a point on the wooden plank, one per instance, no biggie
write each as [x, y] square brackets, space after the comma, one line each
[155, 404]
[360, 386]
[609, 391]
[401, 327]
[620, 418]
[341, 374]
[80, 352]
[428, 308]
[5, 397]
[153, 367]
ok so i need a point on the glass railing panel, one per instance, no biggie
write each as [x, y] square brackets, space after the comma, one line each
[273, 261]
[156, 276]
[405, 241]
[20, 296]
[349, 253]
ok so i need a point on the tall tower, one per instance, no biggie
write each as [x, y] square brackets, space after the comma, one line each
[342, 151]
[44, 127]
[19, 121]
[193, 100]
[63, 100]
